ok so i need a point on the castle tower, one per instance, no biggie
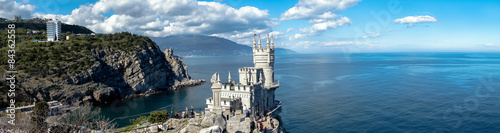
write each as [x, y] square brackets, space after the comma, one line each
[264, 58]
[216, 89]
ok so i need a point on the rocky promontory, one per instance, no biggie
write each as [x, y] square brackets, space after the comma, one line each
[104, 68]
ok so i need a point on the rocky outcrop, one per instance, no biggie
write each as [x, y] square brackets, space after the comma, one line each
[117, 74]
[190, 129]
[212, 119]
[212, 129]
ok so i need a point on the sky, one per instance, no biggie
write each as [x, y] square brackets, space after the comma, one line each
[306, 26]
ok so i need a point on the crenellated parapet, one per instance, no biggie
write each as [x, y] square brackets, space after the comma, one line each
[250, 75]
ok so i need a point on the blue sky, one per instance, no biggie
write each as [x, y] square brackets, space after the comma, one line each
[308, 26]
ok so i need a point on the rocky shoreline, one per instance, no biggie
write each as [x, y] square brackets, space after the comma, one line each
[189, 83]
[208, 123]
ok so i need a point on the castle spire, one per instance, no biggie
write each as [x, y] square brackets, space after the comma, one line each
[218, 78]
[272, 40]
[260, 42]
[229, 77]
[254, 43]
[267, 46]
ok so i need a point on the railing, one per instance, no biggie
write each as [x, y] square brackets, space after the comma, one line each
[277, 107]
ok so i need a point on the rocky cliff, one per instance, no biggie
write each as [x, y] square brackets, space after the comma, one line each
[114, 73]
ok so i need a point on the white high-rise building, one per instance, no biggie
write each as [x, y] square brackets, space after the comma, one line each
[17, 18]
[54, 30]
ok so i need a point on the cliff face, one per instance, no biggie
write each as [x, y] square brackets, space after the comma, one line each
[115, 74]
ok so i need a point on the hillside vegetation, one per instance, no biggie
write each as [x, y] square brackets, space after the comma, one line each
[65, 57]
[90, 68]
[42, 26]
[58, 61]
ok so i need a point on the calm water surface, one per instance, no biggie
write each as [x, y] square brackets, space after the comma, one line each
[369, 92]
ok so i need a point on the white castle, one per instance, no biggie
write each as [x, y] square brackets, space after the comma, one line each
[255, 89]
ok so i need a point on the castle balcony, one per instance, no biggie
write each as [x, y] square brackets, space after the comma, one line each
[275, 84]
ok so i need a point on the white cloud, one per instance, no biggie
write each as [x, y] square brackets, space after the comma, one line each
[371, 35]
[276, 33]
[247, 37]
[297, 36]
[9, 8]
[411, 20]
[323, 17]
[492, 44]
[310, 9]
[308, 44]
[319, 13]
[326, 25]
[289, 29]
[170, 17]
[155, 25]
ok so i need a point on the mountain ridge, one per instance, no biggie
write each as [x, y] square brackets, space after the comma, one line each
[201, 45]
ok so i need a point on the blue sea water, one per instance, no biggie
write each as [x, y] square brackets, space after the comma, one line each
[359, 92]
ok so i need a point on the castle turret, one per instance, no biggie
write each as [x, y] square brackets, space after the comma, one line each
[260, 42]
[254, 43]
[218, 78]
[216, 89]
[264, 58]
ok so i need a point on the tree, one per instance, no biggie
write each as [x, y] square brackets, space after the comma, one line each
[158, 116]
[86, 116]
[39, 114]
[138, 121]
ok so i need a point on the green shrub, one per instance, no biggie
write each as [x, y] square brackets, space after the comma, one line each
[39, 114]
[138, 121]
[158, 116]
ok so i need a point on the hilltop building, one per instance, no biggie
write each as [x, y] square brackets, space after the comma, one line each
[17, 18]
[255, 89]
[54, 30]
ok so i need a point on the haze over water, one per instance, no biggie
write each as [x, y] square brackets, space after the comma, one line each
[365, 92]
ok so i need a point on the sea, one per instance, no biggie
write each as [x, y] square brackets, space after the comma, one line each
[355, 92]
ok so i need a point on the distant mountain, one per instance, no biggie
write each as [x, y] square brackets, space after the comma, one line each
[200, 45]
